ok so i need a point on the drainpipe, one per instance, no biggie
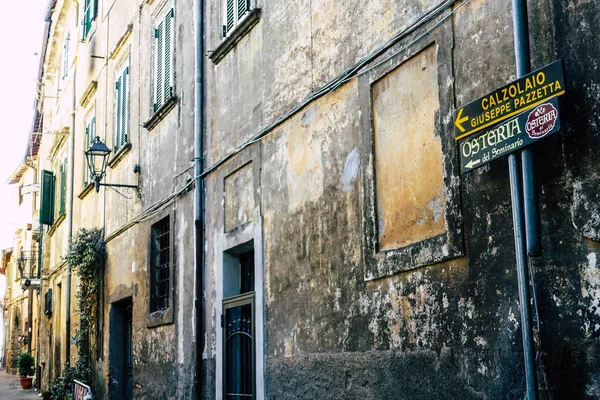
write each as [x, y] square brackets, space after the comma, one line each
[69, 218]
[199, 196]
[524, 205]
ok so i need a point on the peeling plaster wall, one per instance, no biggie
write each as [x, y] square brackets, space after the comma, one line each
[449, 330]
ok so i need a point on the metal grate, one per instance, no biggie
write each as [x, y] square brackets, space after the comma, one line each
[161, 264]
[239, 352]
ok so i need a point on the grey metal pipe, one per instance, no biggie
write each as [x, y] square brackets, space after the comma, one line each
[521, 256]
[523, 64]
[199, 197]
[69, 217]
[528, 198]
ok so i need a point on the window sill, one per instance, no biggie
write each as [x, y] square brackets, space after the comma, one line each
[160, 113]
[88, 188]
[235, 36]
[57, 223]
[159, 318]
[119, 155]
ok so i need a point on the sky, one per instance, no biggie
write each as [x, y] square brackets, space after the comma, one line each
[20, 46]
[21, 33]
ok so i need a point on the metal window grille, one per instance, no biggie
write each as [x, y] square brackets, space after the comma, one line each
[238, 330]
[161, 264]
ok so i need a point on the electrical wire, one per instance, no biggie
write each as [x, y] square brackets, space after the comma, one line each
[316, 97]
[344, 77]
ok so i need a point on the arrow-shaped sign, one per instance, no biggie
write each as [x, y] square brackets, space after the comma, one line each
[472, 163]
[460, 119]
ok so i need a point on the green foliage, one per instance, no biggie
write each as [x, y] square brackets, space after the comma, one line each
[62, 387]
[85, 256]
[25, 364]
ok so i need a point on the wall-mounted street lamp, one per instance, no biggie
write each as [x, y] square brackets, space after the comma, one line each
[97, 159]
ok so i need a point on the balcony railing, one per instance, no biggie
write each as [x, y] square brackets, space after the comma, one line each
[27, 263]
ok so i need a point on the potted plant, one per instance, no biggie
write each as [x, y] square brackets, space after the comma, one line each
[25, 365]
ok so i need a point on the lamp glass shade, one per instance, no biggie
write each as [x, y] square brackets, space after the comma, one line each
[97, 157]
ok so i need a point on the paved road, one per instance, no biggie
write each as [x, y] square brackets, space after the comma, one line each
[10, 388]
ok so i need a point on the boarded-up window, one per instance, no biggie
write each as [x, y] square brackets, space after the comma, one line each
[411, 205]
[408, 155]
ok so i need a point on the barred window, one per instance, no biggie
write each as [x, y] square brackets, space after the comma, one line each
[160, 265]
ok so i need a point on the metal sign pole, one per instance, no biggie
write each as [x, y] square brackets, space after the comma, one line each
[531, 217]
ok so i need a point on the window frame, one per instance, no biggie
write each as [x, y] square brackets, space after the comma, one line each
[90, 134]
[160, 84]
[120, 139]
[65, 60]
[89, 14]
[237, 17]
[448, 245]
[158, 317]
[62, 192]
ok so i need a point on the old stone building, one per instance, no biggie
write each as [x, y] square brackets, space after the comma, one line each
[20, 265]
[283, 209]
[346, 256]
[120, 71]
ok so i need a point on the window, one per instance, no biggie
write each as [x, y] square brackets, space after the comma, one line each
[90, 134]
[237, 322]
[90, 11]
[121, 108]
[65, 61]
[163, 66]
[160, 267]
[235, 11]
[47, 198]
[62, 201]
[48, 302]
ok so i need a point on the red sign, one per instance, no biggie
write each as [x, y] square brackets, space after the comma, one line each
[541, 120]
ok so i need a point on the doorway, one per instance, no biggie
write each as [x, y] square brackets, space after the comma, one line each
[120, 355]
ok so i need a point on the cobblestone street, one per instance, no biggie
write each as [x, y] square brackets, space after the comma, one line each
[10, 388]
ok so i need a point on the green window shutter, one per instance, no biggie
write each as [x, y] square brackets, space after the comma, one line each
[118, 115]
[63, 187]
[66, 57]
[168, 57]
[241, 8]
[230, 9]
[125, 107]
[88, 128]
[159, 78]
[47, 198]
[94, 11]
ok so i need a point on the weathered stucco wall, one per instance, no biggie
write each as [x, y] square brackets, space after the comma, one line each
[449, 329]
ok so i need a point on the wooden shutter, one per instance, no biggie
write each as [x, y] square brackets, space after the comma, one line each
[118, 116]
[230, 20]
[47, 198]
[48, 302]
[66, 57]
[90, 134]
[94, 10]
[241, 8]
[125, 108]
[63, 186]
[159, 76]
[168, 57]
